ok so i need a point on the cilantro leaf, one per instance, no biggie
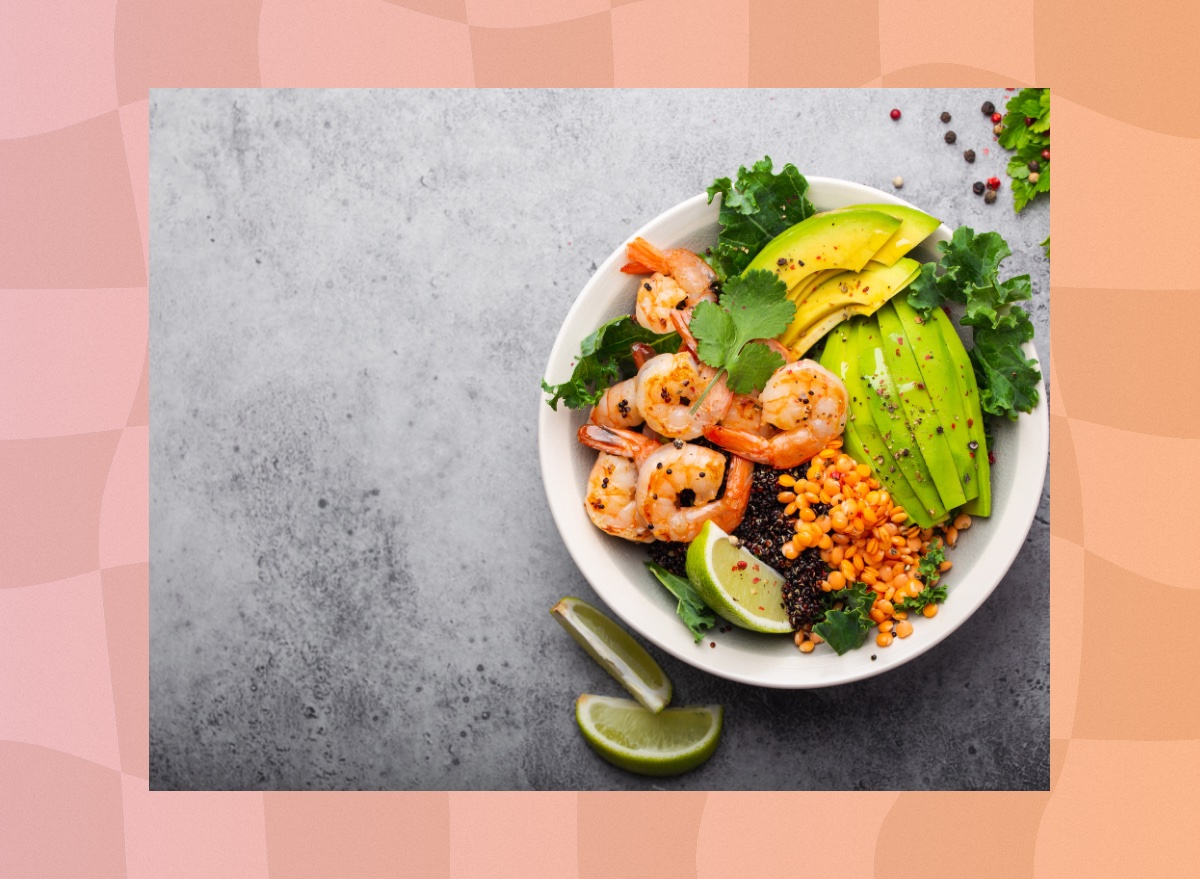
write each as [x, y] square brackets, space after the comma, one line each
[694, 613]
[928, 573]
[751, 307]
[605, 357]
[1046, 244]
[846, 629]
[1007, 379]
[754, 209]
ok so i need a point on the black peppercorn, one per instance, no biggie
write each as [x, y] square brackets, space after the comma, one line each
[1035, 165]
[945, 116]
[969, 155]
[989, 196]
[988, 108]
[951, 137]
[978, 188]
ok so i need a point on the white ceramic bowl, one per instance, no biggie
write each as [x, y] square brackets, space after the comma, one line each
[615, 569]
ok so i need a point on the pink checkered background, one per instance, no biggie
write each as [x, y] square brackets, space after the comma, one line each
[1125, 725]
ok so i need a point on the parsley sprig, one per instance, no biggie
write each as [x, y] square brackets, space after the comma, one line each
[751, 307]
[1027, 141]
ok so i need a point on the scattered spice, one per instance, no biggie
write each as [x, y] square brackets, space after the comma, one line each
[988, 108]
[951, 137]
[969, 155]
[945, 116]
[895, 114]
[990, 196]
[978, 188]
[993, 183]
[996, 117]
[898, 182]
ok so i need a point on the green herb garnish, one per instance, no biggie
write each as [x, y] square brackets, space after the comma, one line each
[846, 629]
[927, 573]
[969, 275]
[751, 307]
[605, 358]
[754, 209]
[1027, 141]
[694, 612]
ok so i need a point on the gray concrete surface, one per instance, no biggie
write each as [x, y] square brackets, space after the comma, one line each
[353, 296]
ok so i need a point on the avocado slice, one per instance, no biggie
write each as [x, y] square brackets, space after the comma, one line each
[844, 295]
[915, 227]
[861, 439]
[835, 241]
[888, 414]
[968, 389]
[937, 370]
[923, 418]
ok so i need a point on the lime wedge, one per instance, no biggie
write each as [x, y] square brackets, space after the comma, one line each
[627, 735]
[616, 650]
[735, 584]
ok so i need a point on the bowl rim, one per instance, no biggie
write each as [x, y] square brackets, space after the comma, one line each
[1027, 502]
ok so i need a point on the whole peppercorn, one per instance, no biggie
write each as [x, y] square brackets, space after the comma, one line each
[1034, 176]
[898, 182]
[997, 128]
[945, 116]
[895, 114]
[969, 155]
[990, 196]
[1035, 165]
[1029, 120]
[978, 188]
[988, 108]
[1046, 154]
[996, 117]
[993, 183]
[951, 137]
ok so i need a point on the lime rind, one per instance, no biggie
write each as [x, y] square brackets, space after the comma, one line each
[625, 734]
[616, 651]
[712, 566]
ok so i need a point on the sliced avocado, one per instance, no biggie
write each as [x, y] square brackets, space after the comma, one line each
[923, 419]
[861, 438]
[844, 295]
[968, 389]
[915, 227]
[835, 241]
[937, 370]
[801, 290]
[888, 414]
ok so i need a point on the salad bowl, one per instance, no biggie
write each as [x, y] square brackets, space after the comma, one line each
[615, 568]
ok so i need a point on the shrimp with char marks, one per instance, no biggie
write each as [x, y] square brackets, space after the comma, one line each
[611, 500]
[806, 402]
[679, 281]
[677, 490]
[667, 388]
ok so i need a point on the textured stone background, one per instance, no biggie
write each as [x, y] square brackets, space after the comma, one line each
[353, 295]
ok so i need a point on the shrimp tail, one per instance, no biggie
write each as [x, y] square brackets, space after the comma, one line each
[741, 442]
[641, 252]
[739, 481]
[615, 441]
[642, 353]
[636, 268]
[681, 319]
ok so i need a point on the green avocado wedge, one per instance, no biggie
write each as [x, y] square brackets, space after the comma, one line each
[835, 241]
[890, 419]
[915, 227]
[861, 438]
[968, 389]
[937, 371]
[924, 421]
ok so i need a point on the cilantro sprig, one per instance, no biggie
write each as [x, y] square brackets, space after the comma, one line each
[1027, 141]
[751, 307]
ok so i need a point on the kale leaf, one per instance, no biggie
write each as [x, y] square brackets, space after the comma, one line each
[605, 358]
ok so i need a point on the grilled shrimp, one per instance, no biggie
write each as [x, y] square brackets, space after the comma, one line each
[679, 281]
[618, 406]
[668, 386]
[611, 499]
[677, 489]
[806, 402]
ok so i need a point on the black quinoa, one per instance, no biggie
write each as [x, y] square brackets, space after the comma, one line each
[765, 529]
[672, 556]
